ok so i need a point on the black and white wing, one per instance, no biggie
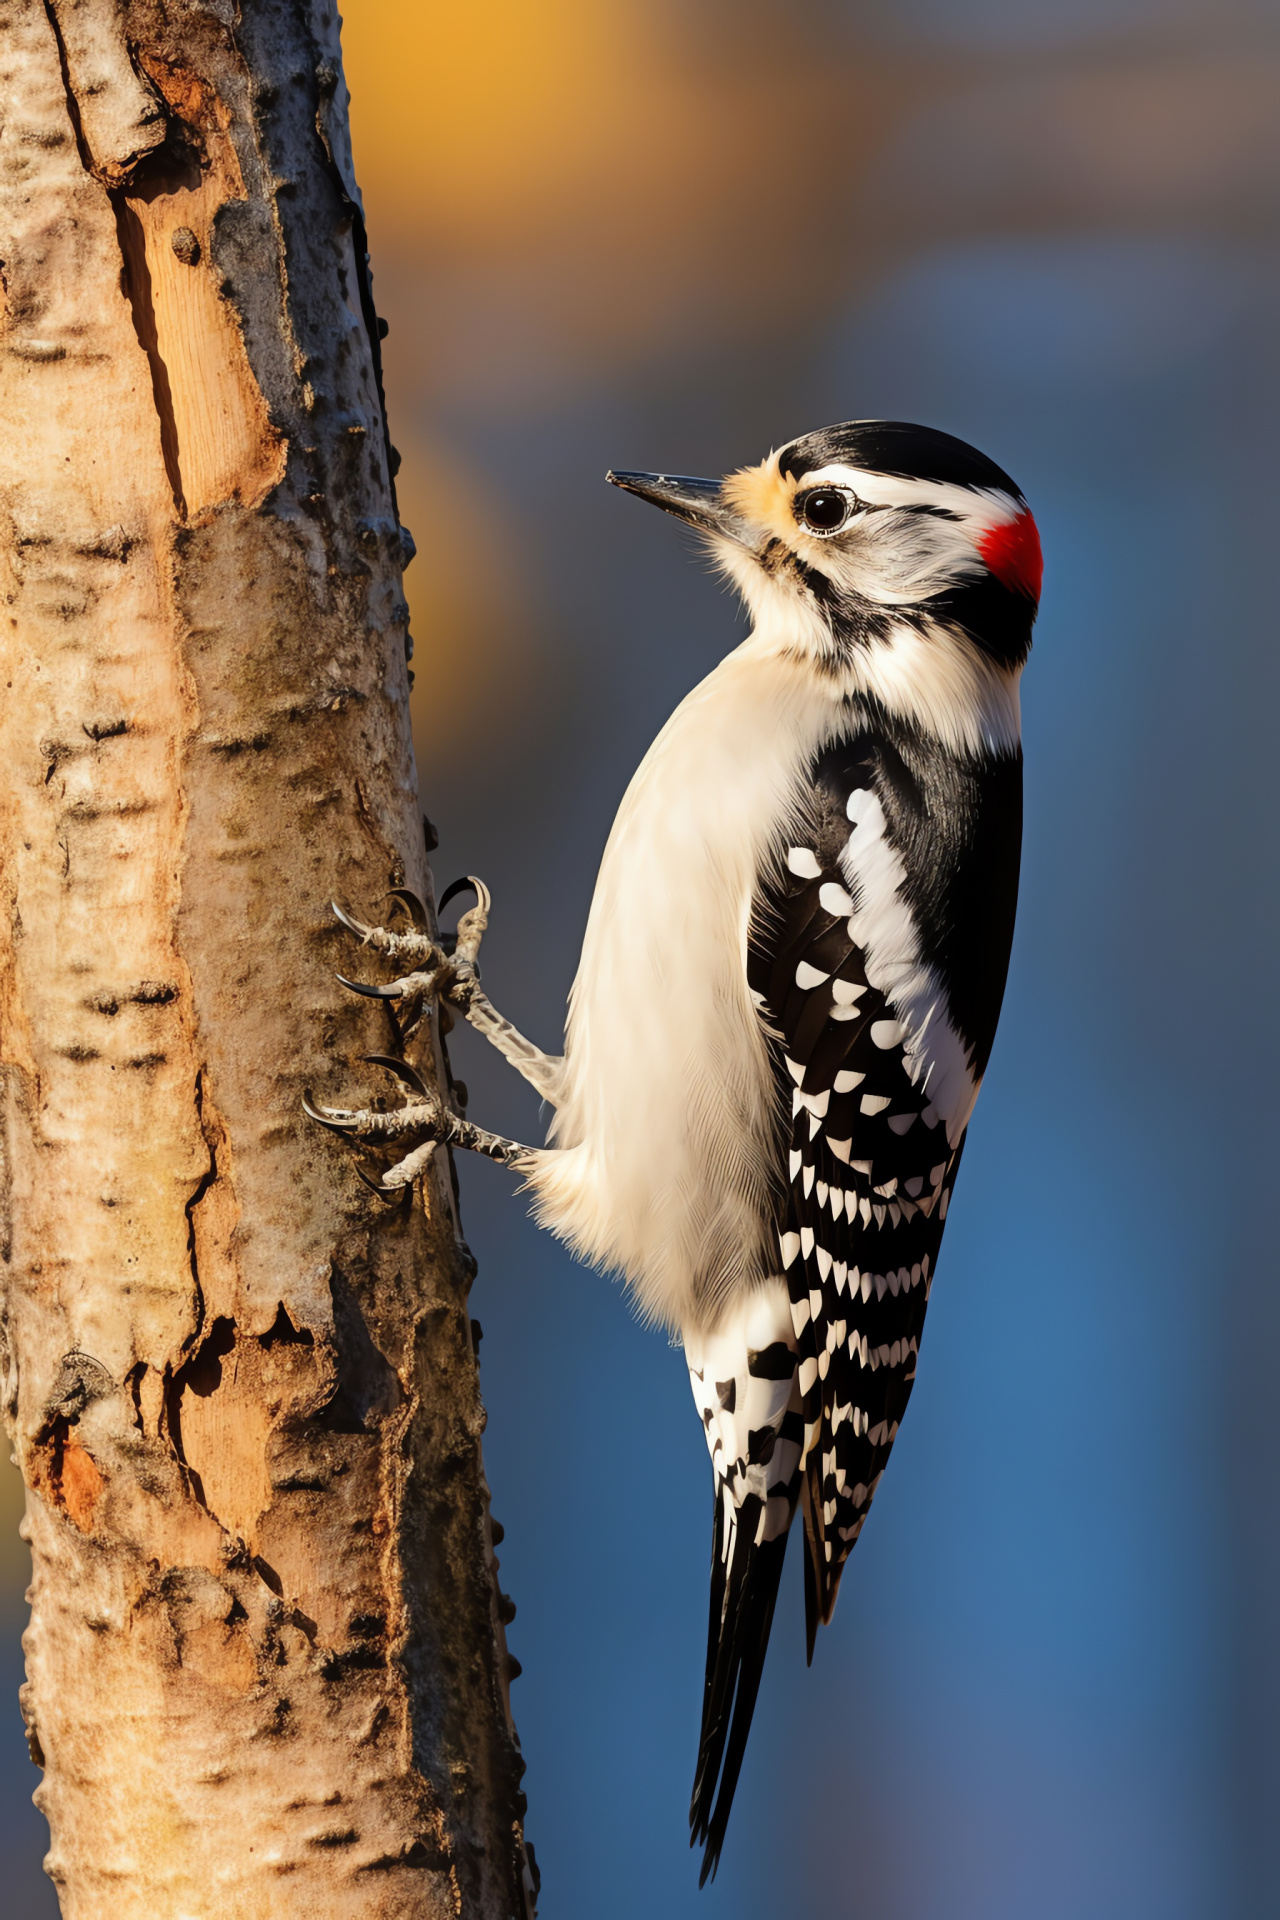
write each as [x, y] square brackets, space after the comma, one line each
[878, 958]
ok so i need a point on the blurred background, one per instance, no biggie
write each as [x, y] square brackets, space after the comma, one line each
[672, 234]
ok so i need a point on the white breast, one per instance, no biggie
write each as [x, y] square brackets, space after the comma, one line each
[665, 1126]
[664, 1133]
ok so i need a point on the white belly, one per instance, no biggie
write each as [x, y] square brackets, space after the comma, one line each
[665, 1131]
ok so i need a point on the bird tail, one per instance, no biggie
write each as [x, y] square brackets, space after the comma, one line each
[745, 1572]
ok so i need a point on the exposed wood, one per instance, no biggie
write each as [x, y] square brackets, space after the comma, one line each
[267, 1672]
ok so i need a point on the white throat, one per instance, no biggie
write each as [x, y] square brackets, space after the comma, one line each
[934, 678]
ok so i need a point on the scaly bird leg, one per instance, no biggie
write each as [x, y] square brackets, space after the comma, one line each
[423, 1119]
[449, 970]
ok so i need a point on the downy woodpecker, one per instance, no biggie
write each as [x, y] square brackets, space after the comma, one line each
[787, 996]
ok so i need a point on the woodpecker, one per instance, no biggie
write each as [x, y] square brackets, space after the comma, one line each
[788, 991]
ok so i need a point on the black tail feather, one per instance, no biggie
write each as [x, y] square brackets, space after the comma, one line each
[743, 1597]
[717, 1691]
[766, 1576]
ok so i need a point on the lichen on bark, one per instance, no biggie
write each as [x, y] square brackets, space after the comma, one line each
[266, 1662]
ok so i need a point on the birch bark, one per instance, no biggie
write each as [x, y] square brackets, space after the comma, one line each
[266, 1665]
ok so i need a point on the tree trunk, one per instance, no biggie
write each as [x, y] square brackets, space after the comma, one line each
[267, 1672]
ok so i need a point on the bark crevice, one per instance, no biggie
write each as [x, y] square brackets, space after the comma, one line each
[135, 279]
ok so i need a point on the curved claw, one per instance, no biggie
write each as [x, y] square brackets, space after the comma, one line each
[352, 926]
[483, 897]
[407, 1075]
[412, 906]
[324, 1116]
[388, 1195]
[394, 992]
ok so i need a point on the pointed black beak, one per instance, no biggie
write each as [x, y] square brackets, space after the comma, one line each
[699, 502]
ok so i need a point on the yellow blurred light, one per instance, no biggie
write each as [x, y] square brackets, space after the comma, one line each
[480, 116]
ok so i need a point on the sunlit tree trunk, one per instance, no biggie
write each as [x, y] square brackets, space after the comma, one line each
[267, 1673]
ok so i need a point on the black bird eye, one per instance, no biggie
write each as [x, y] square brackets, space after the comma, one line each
[825, 510]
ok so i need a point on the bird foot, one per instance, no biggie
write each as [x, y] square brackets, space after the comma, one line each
[441, 969]
[437, 969]
[423, 1120]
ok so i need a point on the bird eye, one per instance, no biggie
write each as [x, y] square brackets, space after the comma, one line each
[825, 510]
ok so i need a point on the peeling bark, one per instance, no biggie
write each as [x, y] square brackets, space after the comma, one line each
[266, 1664]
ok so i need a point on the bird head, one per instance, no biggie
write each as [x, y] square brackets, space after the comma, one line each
[846, 538]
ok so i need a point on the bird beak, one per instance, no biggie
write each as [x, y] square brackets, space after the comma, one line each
[700, 502]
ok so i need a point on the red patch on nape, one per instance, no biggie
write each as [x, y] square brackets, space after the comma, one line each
[1012, 552]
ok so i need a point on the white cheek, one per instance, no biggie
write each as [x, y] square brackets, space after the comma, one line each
[899, 560]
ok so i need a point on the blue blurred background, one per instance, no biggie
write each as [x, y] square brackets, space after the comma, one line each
[673, 233]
